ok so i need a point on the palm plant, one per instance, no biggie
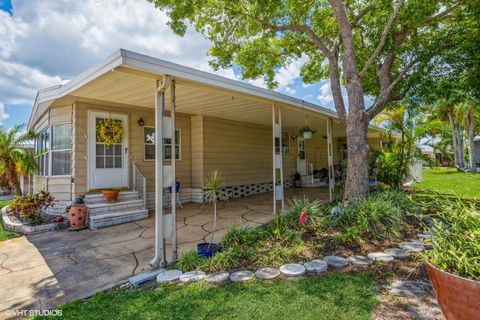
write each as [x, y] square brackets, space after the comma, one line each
[13, 157]
[214, 185]
[395, 159]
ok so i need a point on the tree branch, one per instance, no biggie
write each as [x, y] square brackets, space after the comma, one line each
[384, 97]
[443, 13]
[336, 87]
[383, 38]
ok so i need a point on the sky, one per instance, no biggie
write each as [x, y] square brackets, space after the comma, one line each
[45, 43]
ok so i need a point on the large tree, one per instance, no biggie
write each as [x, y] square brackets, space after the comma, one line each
[372, 47]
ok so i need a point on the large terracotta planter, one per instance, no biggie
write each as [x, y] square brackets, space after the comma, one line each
[458, 297]
[111, 195]
[77, 216]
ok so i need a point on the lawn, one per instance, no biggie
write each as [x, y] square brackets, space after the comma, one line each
[5, 235]
[450, 181]
[333, 296]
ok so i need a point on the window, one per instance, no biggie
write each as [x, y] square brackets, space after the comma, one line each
[285, 143]
[149, 145]
[60, 141]
[41, 146]
[61, 149]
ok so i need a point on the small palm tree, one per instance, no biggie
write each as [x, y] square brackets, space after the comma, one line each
[214, 184]
[13, 157]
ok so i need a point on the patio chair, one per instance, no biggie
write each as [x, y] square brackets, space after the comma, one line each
[177, 190]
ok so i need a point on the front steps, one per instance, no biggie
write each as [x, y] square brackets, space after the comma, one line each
[309, 182]
[128, 208]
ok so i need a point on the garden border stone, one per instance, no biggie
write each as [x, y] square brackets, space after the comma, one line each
[21, 228]
[267, 273]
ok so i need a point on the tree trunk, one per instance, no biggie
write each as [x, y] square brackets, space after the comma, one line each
[11, 175]
[461, 155]
[357, 184]
[455, 146]
[471, 142]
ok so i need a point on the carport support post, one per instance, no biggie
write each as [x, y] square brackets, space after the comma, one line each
[331, 171]
[277, 157]
[174, 175]
[160, 253]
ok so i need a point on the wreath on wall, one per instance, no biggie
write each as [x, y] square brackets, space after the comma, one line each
[110, 131]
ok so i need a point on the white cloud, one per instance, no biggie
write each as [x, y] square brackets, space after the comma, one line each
[3, 114]
[290, 90]
[44, 41]
[325, 96]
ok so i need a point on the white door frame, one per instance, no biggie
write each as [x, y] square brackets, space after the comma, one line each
[92, 115]
[302, 167]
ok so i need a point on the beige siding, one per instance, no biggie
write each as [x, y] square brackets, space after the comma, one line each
[242, 152]
[197, 138]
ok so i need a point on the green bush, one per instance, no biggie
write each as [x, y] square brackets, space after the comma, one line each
[189, 261]
[380, 216]
[456, 239]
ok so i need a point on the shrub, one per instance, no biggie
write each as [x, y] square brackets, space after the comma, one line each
[380, 216]
[31, 207]
[456, 247]
[190, 260]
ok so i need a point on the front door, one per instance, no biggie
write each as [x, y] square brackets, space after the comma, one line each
[107, 165]
[301, 157]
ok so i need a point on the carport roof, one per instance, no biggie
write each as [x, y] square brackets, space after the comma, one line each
[109, 81]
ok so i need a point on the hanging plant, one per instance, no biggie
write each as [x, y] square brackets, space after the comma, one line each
[307, 132]
[110, 131]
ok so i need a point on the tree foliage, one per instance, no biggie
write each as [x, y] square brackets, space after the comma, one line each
[375, 47]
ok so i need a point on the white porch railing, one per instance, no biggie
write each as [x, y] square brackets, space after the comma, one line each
[139, 183]
[310, 171]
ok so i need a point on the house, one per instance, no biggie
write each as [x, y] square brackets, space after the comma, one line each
[477, 150]
[250, 134]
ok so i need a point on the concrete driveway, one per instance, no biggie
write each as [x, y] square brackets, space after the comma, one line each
[45, 270]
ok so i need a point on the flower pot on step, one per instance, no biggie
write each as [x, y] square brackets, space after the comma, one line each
[110, 195]
[77, 217]
[458, 297]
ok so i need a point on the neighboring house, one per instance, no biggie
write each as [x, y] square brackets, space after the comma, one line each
[242, 130]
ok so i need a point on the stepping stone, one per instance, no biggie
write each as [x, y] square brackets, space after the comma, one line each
[168, 276]
[241, 276]
[293, 270]
[380, 256]
[191, 276]
[217, 277]
[397, 253]
[416, 246]
[267, 273]
[336, 261]
[316, 266]
[423, 236]
[360, 261]
[144, 277]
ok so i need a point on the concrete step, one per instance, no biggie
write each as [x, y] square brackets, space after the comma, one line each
[119, 206]
[93, 198]
[314, 185]
[113, 218]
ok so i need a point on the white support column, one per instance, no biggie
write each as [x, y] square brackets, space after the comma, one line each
[174, 175]
[160, 253]
[331, 172]
[278, 191]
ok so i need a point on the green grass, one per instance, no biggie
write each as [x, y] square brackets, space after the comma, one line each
[5, 235]
[449, 181]
[333, 296]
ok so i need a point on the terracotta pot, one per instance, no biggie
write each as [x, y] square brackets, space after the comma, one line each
[458, 297]
[77, 216]
[110, 195]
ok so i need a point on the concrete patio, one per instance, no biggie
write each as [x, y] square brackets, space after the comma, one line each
[45, 270]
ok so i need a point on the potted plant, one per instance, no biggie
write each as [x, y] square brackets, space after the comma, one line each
[307, 132]
[77, 214]
[110, 195]
[214, 192]
[453, 263]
